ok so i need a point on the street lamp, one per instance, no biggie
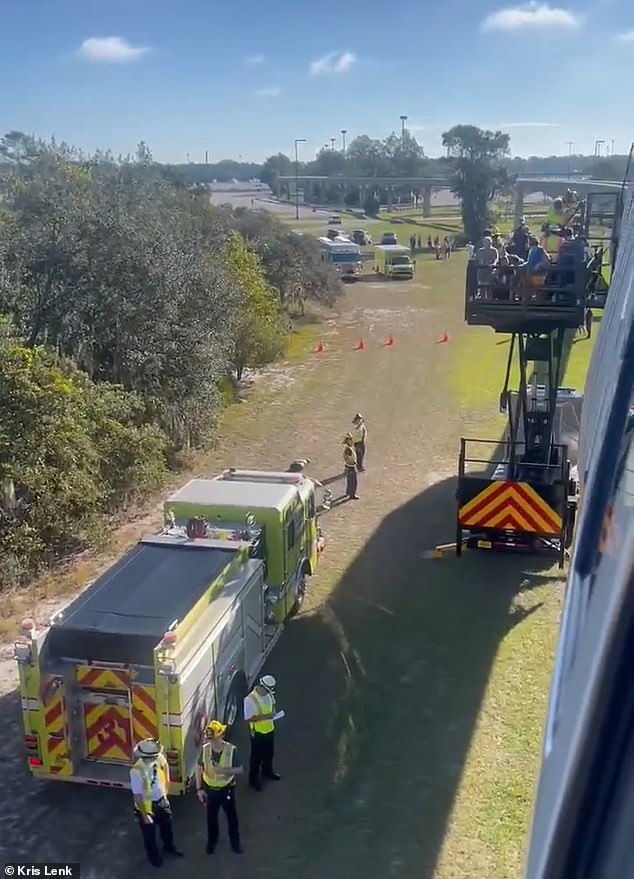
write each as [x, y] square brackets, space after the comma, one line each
[298, 140]
[571, 144]
[344, 131]
[332, 143]
[403, 121]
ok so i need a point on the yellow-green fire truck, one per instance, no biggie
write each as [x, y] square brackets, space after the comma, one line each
[171, 635]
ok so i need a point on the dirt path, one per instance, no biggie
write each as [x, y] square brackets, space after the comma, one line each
[380, 708]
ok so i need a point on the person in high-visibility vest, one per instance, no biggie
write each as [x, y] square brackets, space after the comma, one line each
[360, 439]
[350, 467]
[216, 773]
[557, 216]
[149, 783]
[259, 712]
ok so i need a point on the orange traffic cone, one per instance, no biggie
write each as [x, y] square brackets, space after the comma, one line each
[388, 342]
[319, 348]
[360, 346]
[443, 338]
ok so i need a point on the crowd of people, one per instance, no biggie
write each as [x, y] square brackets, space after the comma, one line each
[521, 266]
[442, 249]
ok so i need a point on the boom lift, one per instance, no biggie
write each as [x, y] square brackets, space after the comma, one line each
[524, 496]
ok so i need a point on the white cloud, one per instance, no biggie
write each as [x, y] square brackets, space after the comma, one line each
[114, 49]
[272, 92]
[531, 15]
[253, 60]
[333, 62]
[626, 37]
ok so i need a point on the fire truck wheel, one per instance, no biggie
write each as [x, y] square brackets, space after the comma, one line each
[301, 594]
[235, 698]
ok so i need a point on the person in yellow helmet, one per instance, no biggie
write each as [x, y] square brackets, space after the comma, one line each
[149, 783]
[216, 773]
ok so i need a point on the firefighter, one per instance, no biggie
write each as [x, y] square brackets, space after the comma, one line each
[149, 783]
[350, 466]
[259, 712]
[360, 437]
[559, 218]
[216, 773]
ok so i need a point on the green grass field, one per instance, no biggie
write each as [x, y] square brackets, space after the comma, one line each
[479, 356]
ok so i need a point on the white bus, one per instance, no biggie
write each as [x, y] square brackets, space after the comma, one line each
[344, 255]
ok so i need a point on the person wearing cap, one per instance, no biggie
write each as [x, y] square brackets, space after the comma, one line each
[350, 467]
[259, 712]
[149, 783]
[216, 774]
[360, 438]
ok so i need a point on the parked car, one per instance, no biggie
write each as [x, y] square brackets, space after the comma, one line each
[335, 220]
[389, 238]
[360, 236]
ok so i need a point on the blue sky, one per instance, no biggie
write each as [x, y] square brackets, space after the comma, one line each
[246, 78]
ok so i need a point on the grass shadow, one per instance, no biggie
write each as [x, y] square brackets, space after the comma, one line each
[411, 645]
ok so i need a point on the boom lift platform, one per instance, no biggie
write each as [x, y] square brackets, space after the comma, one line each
[523, 497]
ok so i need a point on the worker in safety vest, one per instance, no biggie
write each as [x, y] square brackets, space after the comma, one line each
[360, 439]
[350, 467]
[216, 774]
[558, 217]
[259, 712]
[149, 783]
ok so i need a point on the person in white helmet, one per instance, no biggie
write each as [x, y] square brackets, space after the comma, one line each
[259, 712]
[149, 783]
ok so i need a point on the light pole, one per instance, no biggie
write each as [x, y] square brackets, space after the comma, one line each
[571, 144]
[298, 140]
[332, 143]
[403, 121]
[344, 131]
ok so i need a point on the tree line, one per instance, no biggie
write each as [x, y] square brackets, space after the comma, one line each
[129, 308]
[394, 156]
